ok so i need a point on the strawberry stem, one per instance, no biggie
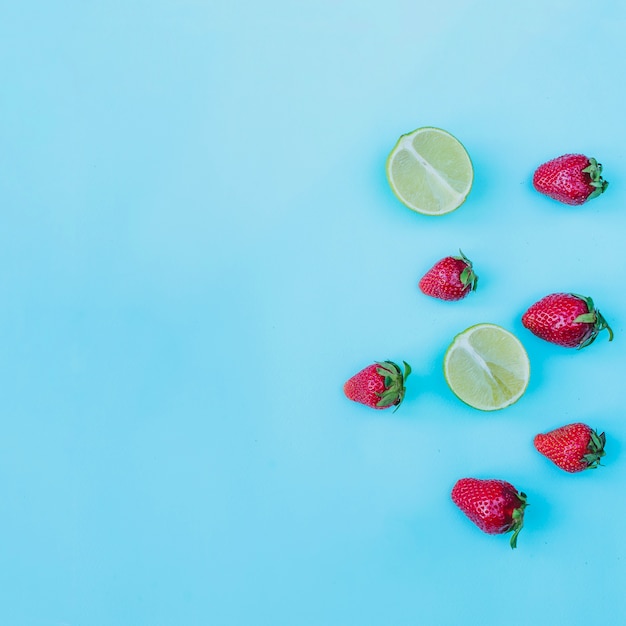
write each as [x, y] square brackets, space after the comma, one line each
[468, 276]
[593, 317]
[594, 171]
[518, 519]
[596, 449]
[602, 324]
[394, 380]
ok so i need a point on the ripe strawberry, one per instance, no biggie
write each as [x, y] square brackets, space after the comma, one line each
[452, 278]
[379, 385]
[574, 448]
[571, 179]
[495, 506]
[566, 319]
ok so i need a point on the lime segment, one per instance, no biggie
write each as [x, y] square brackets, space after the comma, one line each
[487, 367]
[430, 171]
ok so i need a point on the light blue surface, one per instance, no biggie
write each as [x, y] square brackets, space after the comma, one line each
[199, 246]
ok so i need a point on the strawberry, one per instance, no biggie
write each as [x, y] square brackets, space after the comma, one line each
[495, 506]
[566, 319]
[452, 278]
[574, 448]
[379, 385]
[571, 179]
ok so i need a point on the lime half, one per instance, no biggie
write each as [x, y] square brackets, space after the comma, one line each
[430, 171]
[487, 367]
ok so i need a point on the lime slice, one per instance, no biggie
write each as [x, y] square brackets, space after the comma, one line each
[487, 367]
[430, 171]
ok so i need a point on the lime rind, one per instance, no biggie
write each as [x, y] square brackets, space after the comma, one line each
[487, 367]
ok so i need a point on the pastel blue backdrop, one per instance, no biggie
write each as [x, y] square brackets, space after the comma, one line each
[198, 247]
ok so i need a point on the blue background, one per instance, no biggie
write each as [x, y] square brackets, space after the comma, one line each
[198, 246]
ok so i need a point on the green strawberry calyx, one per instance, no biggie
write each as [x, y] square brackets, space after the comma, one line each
[594, 170]
[394, 383]
[594, 318]
[518, 519]
[468, 277]
[595, 449]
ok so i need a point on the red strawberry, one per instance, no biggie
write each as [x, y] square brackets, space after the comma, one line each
[574, 447]
[571, 178]
[566, 319]
[379, 385]
[452, 278]
[495, 506]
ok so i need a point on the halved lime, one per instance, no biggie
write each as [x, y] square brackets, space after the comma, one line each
[487, 367]
[430, 171]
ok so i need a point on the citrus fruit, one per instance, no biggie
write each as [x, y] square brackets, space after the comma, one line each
[487, 367]
[430, 171]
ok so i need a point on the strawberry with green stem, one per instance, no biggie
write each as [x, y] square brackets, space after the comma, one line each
[451, 278]
[571, 178]
[495, 506]
[379, 386]
[566, 319]
[573, 448]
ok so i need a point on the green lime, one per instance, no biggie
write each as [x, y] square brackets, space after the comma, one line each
[430, 171]
[487, 367]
